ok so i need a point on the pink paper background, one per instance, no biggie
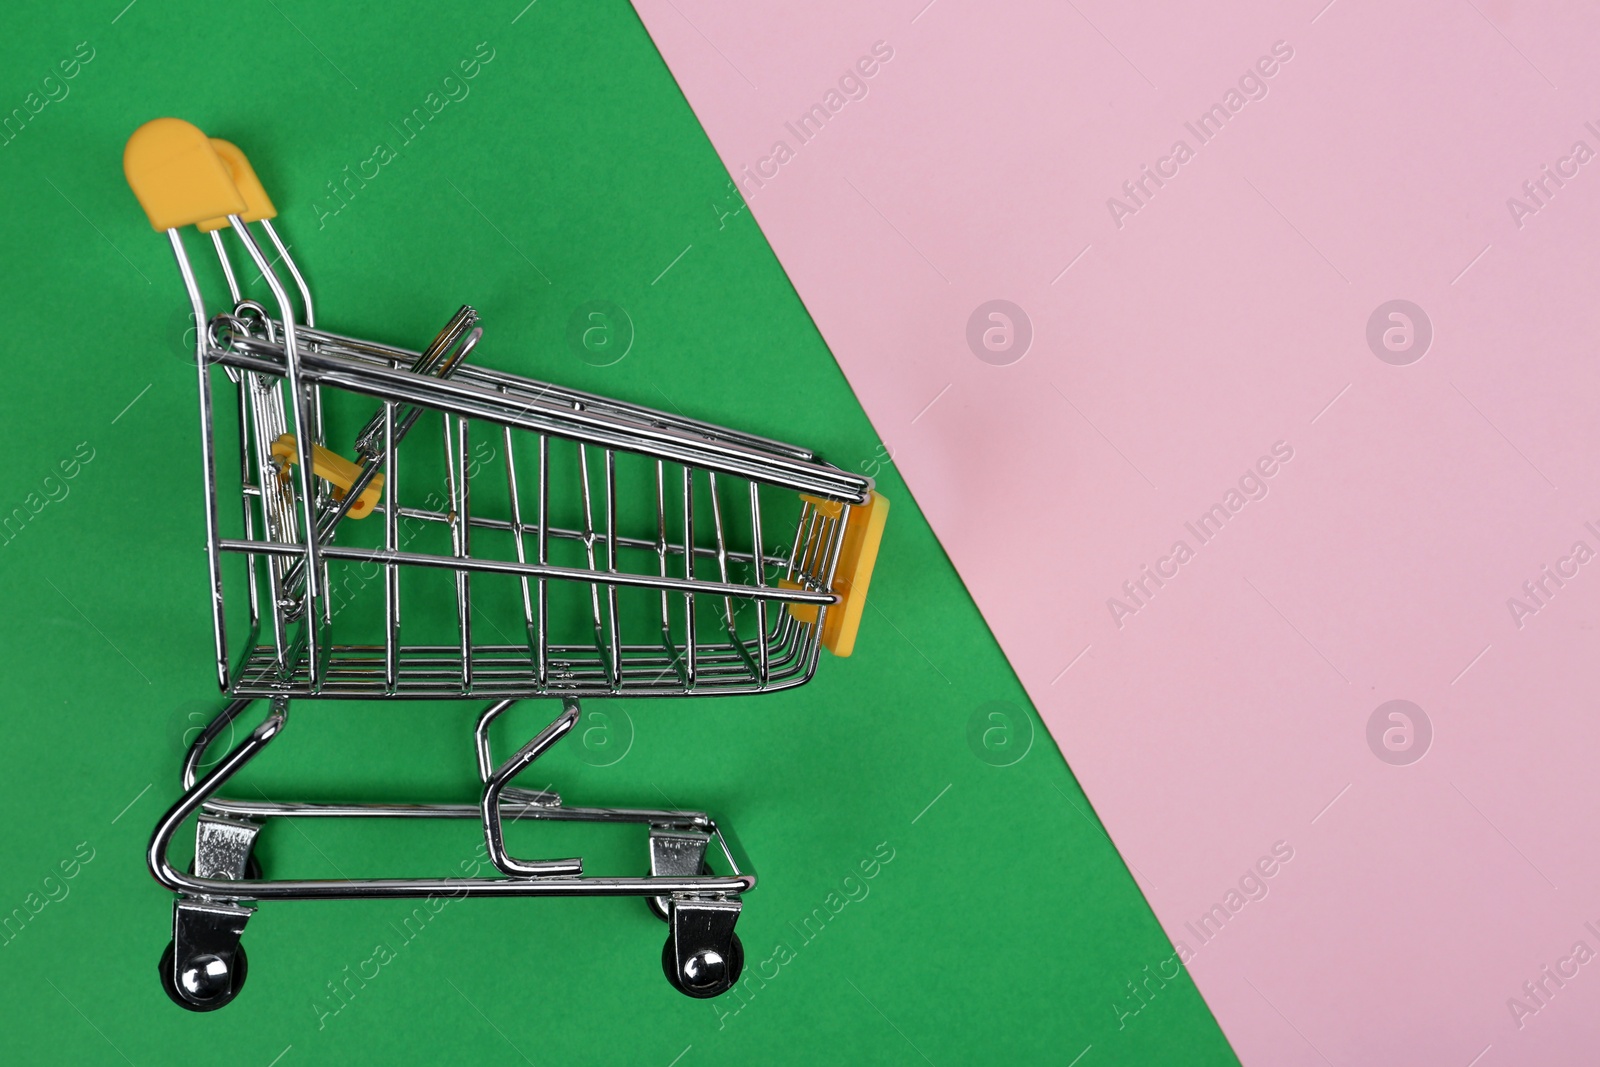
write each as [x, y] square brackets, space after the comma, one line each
[1227, 314]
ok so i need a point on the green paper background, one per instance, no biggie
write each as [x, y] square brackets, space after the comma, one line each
[1005, 928]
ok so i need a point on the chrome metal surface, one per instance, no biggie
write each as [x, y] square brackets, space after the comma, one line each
[222, 847]
[675, 853]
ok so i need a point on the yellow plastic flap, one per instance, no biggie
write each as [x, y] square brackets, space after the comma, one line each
[177, 176]
[257, 204]
[334, 468]
[862, 537]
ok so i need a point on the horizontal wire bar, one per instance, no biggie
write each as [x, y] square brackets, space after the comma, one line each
[574, 574]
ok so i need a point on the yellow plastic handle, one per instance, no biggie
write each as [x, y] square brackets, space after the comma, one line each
[857, 557]
[177, 176]
[257, 204]
[332, 467]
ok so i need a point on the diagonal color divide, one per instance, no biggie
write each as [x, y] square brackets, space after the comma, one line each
[1220, 333]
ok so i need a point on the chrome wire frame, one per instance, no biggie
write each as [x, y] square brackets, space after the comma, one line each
[539, 878]
[691, 460]
[280, 364]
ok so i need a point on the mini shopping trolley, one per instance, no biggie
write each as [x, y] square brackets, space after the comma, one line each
[494, 538]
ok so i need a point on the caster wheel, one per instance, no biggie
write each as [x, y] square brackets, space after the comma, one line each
[709, 974]
[252, 868]
[211, 986]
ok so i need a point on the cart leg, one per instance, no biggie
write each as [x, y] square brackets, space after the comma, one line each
[197, 749]
[497, 780]
[204, 966]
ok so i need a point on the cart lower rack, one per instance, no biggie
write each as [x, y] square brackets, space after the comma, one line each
[493, 538]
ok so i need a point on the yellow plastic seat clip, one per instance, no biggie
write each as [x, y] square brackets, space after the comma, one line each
[335, 469]
[257, 204]
[177, 176]
[852, 576]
